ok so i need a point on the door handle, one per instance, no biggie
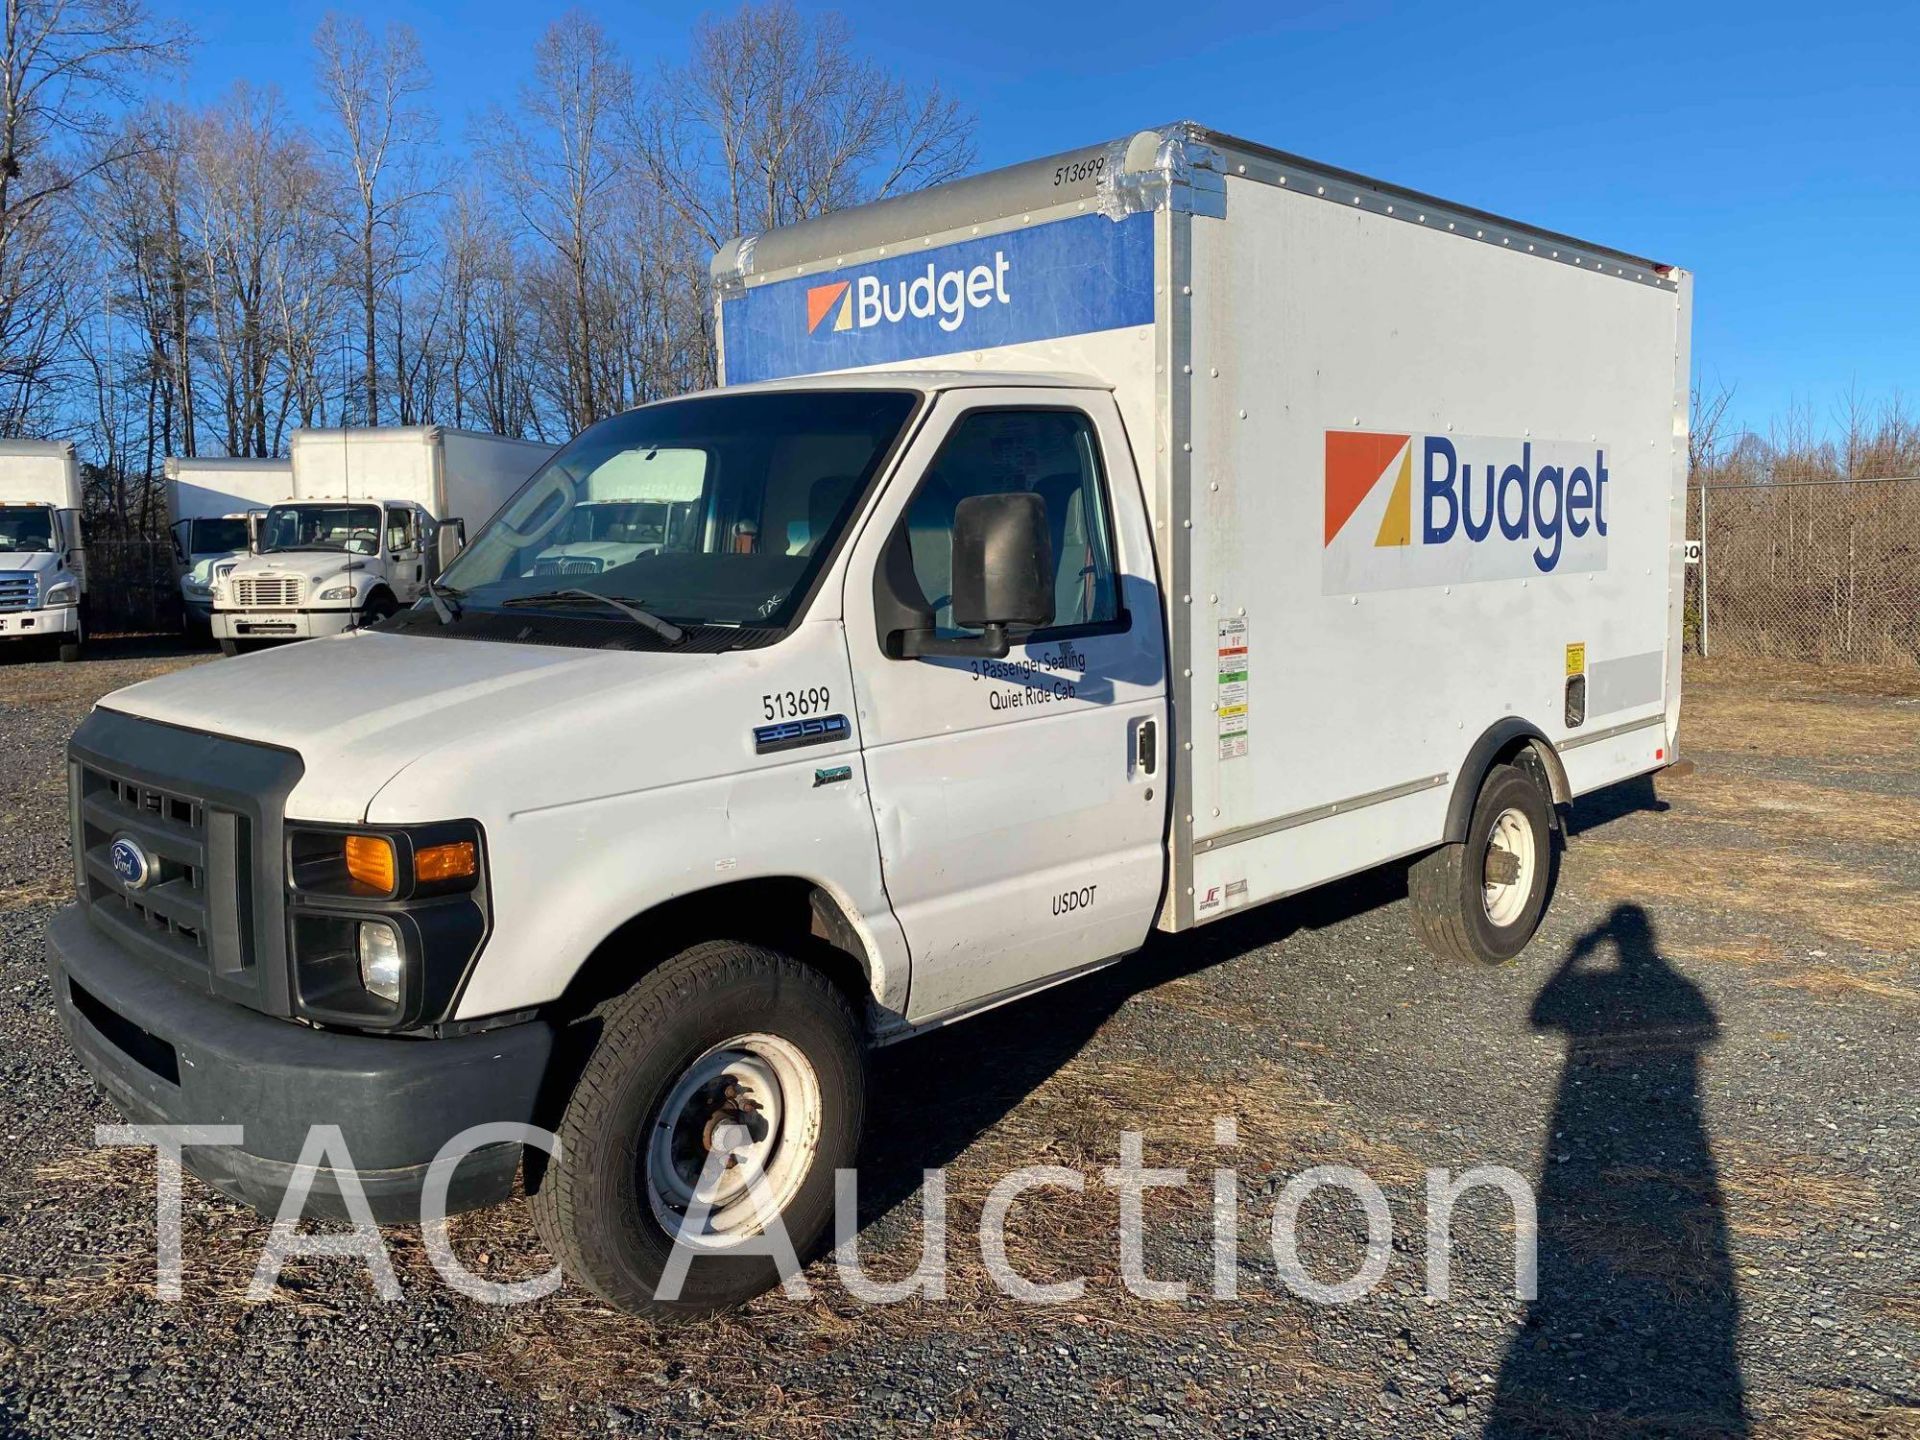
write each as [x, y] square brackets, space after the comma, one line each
[1146, 747]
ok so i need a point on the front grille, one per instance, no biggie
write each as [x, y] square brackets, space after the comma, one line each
[567, 565]
[167, 917]
[203, 814]
[19, 590]
[267, 592]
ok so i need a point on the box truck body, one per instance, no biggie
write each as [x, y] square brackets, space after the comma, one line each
[213, 505]
[1105, 543]
[43, 558]
[1411, 469]
[358, 535]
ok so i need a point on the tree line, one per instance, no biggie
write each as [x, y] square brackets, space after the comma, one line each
[181, 281]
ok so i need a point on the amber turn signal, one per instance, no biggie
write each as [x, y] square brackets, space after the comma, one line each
[456, 861]
[370, 861]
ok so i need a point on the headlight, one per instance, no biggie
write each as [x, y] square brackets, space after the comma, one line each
[64, 593]
[196, 587]
[338, 592]
[384, 922]
[380, 961]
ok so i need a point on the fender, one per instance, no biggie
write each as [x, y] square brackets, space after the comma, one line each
[1503, 738]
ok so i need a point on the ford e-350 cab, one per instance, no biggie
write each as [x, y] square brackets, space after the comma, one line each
[1100, 545]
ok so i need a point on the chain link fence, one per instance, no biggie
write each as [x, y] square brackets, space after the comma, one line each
[1823, 569]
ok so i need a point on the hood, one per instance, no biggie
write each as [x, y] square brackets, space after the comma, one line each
[39, 562]
[314, 565]
[361, 707]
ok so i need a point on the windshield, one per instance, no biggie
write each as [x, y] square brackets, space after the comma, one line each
[352, 528]
[719, 510]
[217, 537]
[26, 527]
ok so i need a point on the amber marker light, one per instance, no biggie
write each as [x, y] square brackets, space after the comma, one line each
[370, 861]
[437, 863]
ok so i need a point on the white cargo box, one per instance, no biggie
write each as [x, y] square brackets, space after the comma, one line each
[448, 472]
[207, 486]
[39, 472]
[1416, 473]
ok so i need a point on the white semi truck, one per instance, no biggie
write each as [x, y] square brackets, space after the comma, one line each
[43, 555]
[214, 505]
[359, 535]
[1101, 545]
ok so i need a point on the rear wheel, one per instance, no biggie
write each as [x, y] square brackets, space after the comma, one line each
[1481, 899]
[722, 1092]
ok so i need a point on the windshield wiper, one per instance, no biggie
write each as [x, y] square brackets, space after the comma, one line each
[446, 601]
[665, 629]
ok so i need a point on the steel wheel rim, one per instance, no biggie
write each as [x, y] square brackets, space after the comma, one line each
[1505, 901]
[754, 1098]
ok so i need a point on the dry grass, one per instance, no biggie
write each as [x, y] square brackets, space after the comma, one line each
[1875, 910]
[1838, 1415]
[1794, 810]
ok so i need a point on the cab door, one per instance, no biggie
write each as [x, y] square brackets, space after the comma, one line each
[1020, 803]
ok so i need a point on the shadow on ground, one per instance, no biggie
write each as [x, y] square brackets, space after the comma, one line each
[1634, 1326]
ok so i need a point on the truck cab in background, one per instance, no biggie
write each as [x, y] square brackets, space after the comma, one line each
[43, 556]
[370, 516]
[214, 506]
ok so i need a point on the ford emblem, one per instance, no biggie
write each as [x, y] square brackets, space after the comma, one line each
[132, 864]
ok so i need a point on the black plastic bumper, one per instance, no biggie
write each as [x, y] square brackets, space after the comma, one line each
[167, 1054]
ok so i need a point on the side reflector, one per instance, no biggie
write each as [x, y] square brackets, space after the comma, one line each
[456, 861]
[370, 861]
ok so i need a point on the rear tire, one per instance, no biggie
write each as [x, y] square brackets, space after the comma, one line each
[1480, 900]
[654, 1094]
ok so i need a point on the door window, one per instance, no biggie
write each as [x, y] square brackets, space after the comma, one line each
[1053, 454]
[399, 530]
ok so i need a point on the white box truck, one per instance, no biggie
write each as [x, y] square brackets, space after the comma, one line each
[214, 504]
[359, 537]
[1098, 545]
[43, 555]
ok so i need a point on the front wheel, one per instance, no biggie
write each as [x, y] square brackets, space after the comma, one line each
[721, 1094]
[1481, 899]
[73, 647]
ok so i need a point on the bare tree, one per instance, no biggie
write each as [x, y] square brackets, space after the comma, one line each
[776, 119]
[556, 163]
[374, 89]
[65, 66]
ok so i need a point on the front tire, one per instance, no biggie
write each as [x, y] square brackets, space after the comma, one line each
[726, 1049]
[229, 648]
[75, 647]
[1480, 900]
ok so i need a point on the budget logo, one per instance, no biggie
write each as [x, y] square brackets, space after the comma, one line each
[822, 299]
[945, 297]
[1406, 510]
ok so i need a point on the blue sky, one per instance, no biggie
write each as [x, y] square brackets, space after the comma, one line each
[1773, 149]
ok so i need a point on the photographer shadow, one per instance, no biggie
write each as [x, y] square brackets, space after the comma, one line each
[1635, 1324]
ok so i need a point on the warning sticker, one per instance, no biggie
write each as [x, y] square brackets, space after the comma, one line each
[1577, 659]
[1230, 694]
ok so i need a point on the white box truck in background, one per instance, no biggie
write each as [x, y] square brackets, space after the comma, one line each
[43, 556]
[359, 536]
[213, 505]
[1107, 543]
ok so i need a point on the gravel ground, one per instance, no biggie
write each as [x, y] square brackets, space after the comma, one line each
[1705, 1064]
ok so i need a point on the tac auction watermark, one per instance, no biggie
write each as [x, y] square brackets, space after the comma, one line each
[1129, 1180]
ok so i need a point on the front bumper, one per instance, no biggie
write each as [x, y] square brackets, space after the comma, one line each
[25, 624]
[166, 1053]
[282, 624]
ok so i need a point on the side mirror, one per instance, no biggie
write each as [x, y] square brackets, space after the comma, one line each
[1002, 579]
[178, 533]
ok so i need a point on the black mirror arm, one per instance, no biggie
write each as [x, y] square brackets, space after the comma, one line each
[992, 643]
